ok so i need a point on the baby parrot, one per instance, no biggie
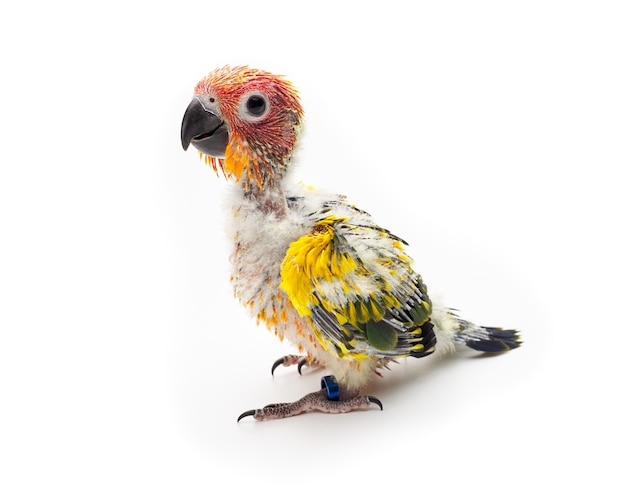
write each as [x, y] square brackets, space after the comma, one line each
[314, 268]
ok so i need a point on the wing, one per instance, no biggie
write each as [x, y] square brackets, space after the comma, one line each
[356, 286]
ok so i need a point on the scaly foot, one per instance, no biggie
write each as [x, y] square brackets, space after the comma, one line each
[289, 360]
[326, 400]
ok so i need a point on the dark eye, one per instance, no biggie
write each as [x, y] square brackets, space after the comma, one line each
[256, 105]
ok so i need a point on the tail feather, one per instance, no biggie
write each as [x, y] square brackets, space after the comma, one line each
[487, 339]
[452, 330]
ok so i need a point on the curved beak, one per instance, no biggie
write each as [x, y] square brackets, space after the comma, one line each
[204, 129]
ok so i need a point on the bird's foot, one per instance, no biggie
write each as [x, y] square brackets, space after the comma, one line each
[326, 400]
[300, 361]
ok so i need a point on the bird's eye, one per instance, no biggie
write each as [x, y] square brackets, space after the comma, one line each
[255, 106]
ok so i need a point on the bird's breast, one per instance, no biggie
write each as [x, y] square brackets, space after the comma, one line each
[259, 246]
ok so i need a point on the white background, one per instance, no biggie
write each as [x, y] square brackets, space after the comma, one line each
[488, 134]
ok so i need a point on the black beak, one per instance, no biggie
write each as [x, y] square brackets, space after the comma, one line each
[204, 129]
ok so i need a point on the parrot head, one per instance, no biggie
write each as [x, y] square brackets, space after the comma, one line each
[244, 122]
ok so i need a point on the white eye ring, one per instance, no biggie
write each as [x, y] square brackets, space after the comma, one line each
[254, 106]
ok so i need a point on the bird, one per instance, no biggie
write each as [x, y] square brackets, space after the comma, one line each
[317, 270]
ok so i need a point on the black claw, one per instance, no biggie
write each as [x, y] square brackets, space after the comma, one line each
[278, 362]
[376, 401]
[301, 363]
[251, 412]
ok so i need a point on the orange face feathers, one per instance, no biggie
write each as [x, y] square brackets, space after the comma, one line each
[262, 113]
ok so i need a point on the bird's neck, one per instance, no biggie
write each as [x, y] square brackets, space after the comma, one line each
[269, 199]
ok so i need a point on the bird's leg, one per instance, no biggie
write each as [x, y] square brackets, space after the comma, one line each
[330, 399]
[301, 361]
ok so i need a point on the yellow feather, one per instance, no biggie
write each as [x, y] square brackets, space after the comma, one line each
[363, 313]
[352, 313]
[377, 310]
